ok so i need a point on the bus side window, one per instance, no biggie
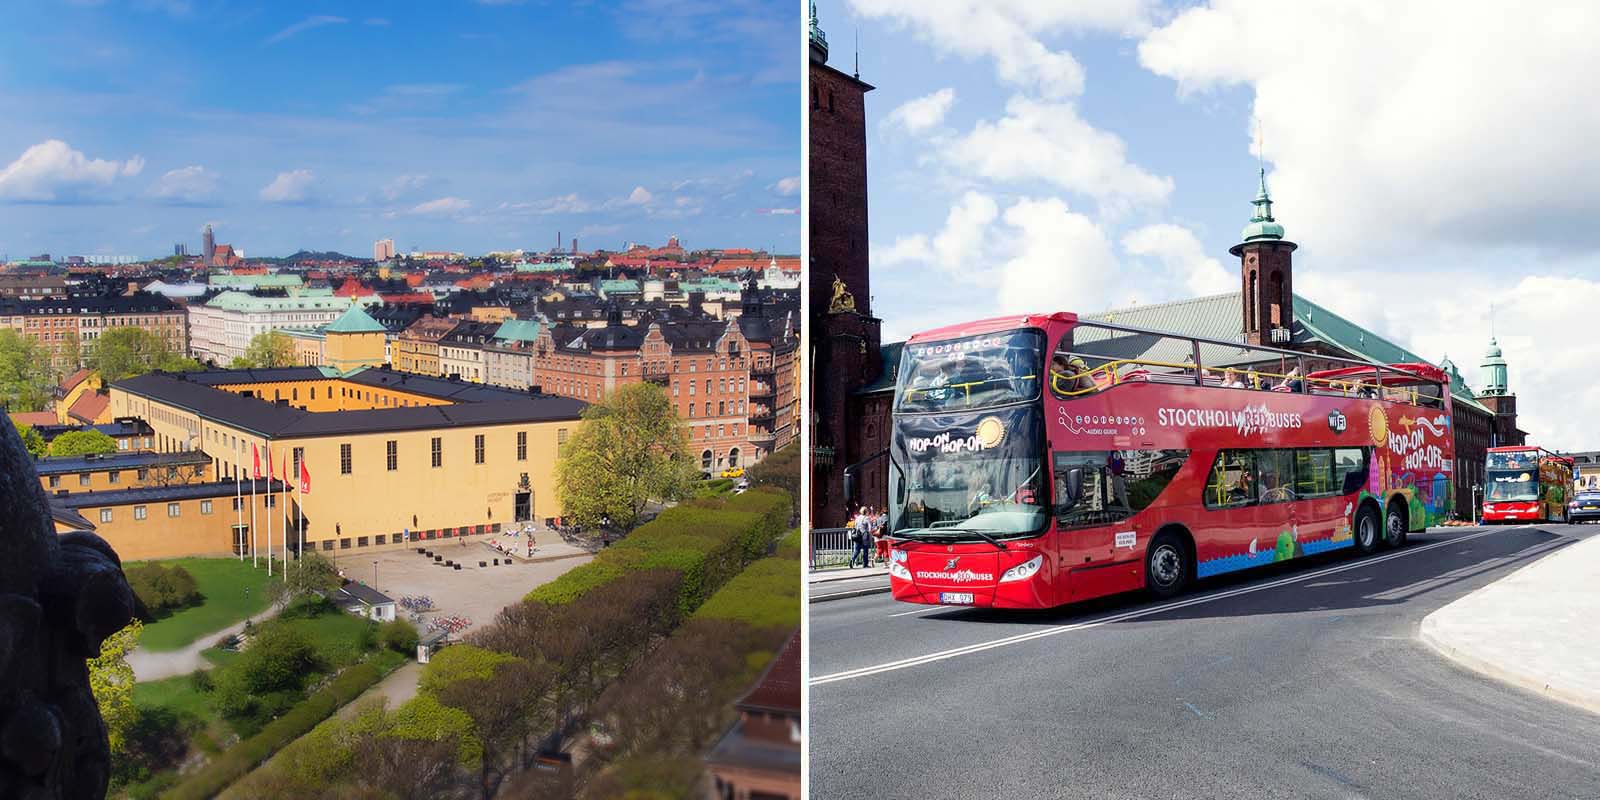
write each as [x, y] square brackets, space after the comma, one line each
[1350, 464]
[1231, 481]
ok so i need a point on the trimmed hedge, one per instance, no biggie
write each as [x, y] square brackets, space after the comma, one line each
[248, 754]
[705, 541]
[789, 545]
[765, 595]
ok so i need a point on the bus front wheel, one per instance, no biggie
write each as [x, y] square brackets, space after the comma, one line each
[1366, 530]
[1166, 565]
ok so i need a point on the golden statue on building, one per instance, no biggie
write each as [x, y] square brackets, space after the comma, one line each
[842, 299]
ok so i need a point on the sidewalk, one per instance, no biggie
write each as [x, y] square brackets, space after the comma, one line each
[838, 584]
[1533, 628]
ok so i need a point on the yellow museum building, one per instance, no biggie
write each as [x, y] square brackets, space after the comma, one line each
[391, 456]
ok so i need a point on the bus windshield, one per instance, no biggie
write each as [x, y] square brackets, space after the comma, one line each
[1511, 484]
[970, 474]
[973, 372]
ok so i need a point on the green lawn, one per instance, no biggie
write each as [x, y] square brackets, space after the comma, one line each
[175, 694]
[232, 592]
[335, 635]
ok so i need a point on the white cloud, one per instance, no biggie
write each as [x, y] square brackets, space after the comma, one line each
[639, 196]
[442, 206]
[1060, 259]
[922, 113]
[52, 170]
[1535, 316]
[191, 184]
[1008, 32]
[788, 187]
[402, 185]
[1395, 125]
[289, 187]
[304, 25]
[1178, 250]
[1049, 142]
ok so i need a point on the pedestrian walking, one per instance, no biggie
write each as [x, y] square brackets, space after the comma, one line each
[862, 539]
[879, 522]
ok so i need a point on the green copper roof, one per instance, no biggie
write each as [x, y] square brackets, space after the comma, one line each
[517, 330]
[240, 301]
[1262, 225]
[1493, 356]
[354, 320]
[613, 286]
[276, 280]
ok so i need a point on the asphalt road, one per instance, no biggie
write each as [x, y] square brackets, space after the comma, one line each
[1300, 681]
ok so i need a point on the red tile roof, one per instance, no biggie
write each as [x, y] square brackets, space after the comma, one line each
[34, 418]
[71, 381]
[779, 689]
[89, 407]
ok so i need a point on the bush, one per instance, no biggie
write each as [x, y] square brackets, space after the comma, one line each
[460, 662]
[298, 720]
[765, 595]
[400, 636]
[790, 545]
[162, 588]
[424, 718]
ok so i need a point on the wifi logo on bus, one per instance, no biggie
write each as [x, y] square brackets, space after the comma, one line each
[1336, 421]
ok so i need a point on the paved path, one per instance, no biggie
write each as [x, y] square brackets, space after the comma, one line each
[398, 687]
[1303, 680]
[1536, 628]
[148, 666]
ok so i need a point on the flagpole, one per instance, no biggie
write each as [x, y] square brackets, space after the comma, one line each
[284, 496]
[269, 511]
[300, 504]
[238, 506]
[255, 467]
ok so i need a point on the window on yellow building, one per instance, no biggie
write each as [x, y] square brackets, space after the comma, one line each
[394, 454]
[139, 512]
[477, 449]
[105, 515]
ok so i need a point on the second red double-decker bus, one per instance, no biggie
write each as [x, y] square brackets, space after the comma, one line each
[1042, 460]
[1525, 484]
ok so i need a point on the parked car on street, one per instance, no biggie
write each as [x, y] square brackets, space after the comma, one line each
[1585, 507]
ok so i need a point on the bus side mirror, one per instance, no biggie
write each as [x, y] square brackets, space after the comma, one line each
[849, 488]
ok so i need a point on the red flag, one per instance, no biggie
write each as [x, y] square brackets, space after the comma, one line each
[305, 478]
[255, 458]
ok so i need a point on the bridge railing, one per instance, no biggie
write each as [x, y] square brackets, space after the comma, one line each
[830, 547]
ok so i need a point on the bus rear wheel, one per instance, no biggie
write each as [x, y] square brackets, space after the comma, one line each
[1166, 565]
[1366, 530]
[1394, 527]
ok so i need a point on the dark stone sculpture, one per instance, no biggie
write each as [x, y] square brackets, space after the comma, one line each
[60, 597]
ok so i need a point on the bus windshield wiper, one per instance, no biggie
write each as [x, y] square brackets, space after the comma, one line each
[986, 537]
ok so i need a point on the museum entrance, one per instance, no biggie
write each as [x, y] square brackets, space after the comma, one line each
[522, 506]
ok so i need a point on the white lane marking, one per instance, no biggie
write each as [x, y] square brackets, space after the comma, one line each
[925, 610]
[862, 672]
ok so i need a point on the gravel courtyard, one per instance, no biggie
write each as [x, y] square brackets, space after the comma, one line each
[477, 593]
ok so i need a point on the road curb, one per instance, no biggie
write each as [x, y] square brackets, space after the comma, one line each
[1490, 669]
[847, 594]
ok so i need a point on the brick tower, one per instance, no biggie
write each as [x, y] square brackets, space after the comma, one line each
[845, 338]
[1266, 271]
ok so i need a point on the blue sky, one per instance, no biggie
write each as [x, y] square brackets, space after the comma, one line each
[1428, 157]
[445, 125]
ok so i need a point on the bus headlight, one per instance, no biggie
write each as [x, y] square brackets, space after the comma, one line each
[1023, 571]
[898, 570]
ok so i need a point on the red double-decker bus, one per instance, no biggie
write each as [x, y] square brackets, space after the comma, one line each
[1041, 460]
[1525, 484]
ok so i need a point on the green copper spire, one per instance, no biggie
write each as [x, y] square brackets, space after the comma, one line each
[1494, 365]
[819, 40]
[1262, 225]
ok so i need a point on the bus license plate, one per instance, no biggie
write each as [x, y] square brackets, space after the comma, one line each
[956, 598]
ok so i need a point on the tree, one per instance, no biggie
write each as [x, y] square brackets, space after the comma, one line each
[26, 376]
[270, 349]
[111, 680]
[82, 443]
[312, 575]
[32, 440]
[631, 448]
[126, 352]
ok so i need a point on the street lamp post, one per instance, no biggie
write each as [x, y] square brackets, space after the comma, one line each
[374, 573]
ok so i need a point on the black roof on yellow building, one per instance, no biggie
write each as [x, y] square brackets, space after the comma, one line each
[165, 494]
[471, 404]
[62, 465]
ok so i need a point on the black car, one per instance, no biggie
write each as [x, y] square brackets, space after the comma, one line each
[1584, 507]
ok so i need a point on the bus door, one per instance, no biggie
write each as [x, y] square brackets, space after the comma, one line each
[1093, 517]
